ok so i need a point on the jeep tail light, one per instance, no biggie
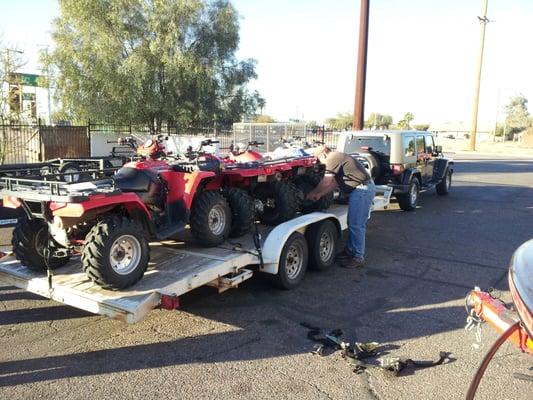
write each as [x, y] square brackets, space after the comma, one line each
[11, 202]
[396, 169]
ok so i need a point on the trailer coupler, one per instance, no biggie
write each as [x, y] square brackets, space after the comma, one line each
[483, 307]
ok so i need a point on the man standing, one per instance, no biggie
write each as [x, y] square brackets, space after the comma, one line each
[351, 178]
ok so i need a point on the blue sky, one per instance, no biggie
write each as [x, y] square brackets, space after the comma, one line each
[422, 54]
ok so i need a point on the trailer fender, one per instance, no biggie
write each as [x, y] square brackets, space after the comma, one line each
[276, 239]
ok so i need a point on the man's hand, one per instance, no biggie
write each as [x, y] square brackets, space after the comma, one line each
[312, 196]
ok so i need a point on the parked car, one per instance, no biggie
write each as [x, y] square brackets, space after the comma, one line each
[407, 161]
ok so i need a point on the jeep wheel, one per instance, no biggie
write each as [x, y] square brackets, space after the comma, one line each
[242, 211]
[322, 240]
[210, 219]
[292, 262]
[408, 201]
[443, 188]
[30, 239]
[281, 201]
[306, 183]
[116, 253]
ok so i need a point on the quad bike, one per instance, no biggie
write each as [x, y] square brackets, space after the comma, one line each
[516, 325]
[276, 187]
[110, 221]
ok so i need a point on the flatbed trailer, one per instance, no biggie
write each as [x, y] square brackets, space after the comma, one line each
[178, 266]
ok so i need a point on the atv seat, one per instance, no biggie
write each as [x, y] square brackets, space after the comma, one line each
[145, 183]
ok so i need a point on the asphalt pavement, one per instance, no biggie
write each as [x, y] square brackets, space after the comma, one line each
[249, 342]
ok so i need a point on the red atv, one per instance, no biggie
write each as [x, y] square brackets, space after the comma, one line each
[280, 184]
[110, 221]
[276, 187]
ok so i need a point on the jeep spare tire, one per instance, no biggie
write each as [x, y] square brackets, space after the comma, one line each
[210, 218]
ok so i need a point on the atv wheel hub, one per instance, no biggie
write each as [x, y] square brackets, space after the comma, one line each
[125, 254]
[217, 220]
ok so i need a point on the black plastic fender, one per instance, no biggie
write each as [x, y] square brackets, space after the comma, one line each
[408, 174]
[440, 167]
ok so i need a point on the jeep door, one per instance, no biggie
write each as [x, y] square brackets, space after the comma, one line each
[422, 159]
[430, 157]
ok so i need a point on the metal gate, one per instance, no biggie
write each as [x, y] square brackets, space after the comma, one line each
[65, 142]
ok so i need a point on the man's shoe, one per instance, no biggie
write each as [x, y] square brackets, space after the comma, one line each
[353, 262]
[344, 256]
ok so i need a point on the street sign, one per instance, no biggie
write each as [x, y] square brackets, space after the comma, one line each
[24, 79]
[28, 96]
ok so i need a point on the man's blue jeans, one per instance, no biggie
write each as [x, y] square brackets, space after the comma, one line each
[358, 212]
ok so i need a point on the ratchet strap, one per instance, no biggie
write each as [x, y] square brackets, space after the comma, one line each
[357, 353]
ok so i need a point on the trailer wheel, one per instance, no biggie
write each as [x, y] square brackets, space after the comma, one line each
[210, 218]
[71, 168]
[306, 183]
[30, 238]
[281, 201]
[322, 239]
[242, 211]
[292, 262]
[116, 253]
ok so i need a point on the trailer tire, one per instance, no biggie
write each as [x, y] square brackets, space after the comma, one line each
[29, 239]
[292, 262]
[242, 211]
[286, 199]
[322, 238]
[71, 167]
[306, 183]
[210, 218]
[108, 246]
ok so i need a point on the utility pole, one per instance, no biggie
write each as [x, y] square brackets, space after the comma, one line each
[483, 20]
[360, 84]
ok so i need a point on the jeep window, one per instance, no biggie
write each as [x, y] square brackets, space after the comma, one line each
[409, 146]
[430, 145]
[377, 144]
[420, 144]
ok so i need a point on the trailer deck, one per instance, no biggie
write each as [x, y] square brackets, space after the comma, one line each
[176, 267]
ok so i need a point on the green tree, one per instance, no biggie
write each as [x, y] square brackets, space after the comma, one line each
[10, 61]
[405, 122]
[264, 119]
[517, 116]
[421, 127]
[151, 62]
[342, 121]
[378, 121]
